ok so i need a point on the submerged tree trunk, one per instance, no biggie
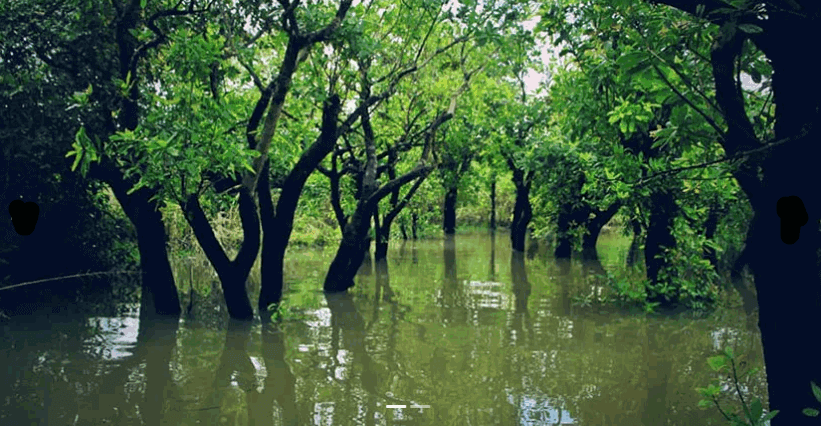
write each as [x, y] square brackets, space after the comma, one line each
[158, 284]
[233, 274]
[564, 246]
[278, 223]
[522, 210]
[660, 237]
[449, 211]
[493, 203]
[382, 237]
[594, 227]
[635, 244]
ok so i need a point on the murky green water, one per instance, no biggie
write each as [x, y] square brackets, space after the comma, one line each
[479, 336]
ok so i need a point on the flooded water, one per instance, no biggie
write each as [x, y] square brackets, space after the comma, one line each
[458, 332]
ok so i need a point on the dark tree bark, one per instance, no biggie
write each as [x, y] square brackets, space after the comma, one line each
[594, 227]
[522, 210]
[233, 274]
[383, 230]
[786, 169]
[493, 203]
[415, 225]
[355, 239]
[564, 246]
[449, 211]
[158, 284]
[660, 237]
[635, 244]
[710, 227]
[404, 230]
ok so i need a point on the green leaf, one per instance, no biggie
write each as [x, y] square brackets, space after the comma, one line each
[142, 4]
[750, 28]
[810, 412]
[755, 410]
[704, 403]
[816, 391]
[769, 415]
[717, 362]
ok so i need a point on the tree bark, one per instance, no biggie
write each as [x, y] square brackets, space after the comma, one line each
[449, 211]
[158, 284]
[710, 227]
[233, 274]
[493, 203]
[660, 237]
[522, 210]
[635, 244]
[594, 227]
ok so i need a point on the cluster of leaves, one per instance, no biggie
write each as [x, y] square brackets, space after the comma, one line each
[751, 414]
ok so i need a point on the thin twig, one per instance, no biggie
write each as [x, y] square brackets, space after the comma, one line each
[67, 277]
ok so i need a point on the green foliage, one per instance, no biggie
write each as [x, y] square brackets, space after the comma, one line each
[751, 414]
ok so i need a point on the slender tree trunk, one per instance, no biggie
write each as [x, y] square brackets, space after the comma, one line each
[522, 211]
[564, 247]
[710, 227]
[449, 220]
[415, 225]
[635, 244]
[404, 230]
[493, 203]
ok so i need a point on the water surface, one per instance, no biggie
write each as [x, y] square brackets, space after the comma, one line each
[479, 334]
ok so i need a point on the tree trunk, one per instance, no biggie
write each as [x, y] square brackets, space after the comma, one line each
[594, 227]
[233, 274]
[157, 277]
[278, 225]
[414, 225]
[449, 220]
[350, 253]
[493, 203]
[382, 237]
[522, 213]
[710, 227]
[635, 244]
[660, 237]
[404, 230]
[564, 247]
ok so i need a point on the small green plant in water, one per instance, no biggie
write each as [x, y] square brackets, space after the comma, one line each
[816, 391]
[753, 413]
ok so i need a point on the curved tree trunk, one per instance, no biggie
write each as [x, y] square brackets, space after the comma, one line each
[594, 227]
[157, 277]
[233, 274]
